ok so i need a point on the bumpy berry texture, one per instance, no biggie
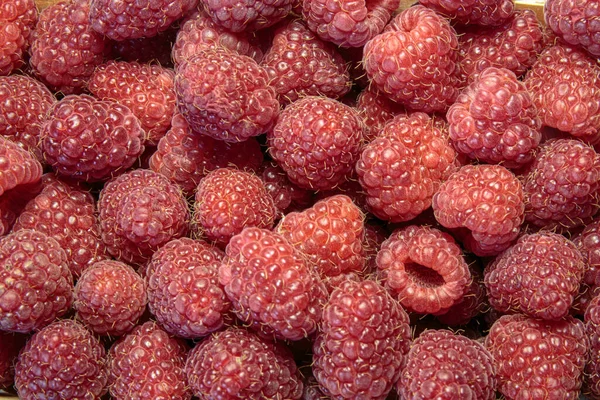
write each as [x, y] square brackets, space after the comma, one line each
[347, 23]
[13, 202]
[148, 364]
[362, 344]
[285, 194]
[10, 346]
[267, 371]
[473, 302]
[17, 19]
[225, 95]
[484, 204]
[424, 269]
[300, 64]
[139, 212]
[494, 120]
[58, 57]
[414, 60]
[444, 365]
[228, 200]
[36, 285]
[91, 140]
[551, 355]
[562, 188]
[121, 20]
[549, 269]
[110, 297]
[77, 368]
[272, 287]
[246, 15]
[183, 288]
[146, 89]
[376, 110]
[576, 22]
[18, 167]
[317, 141]
[591, 386]
[588, 244]
[473, 12]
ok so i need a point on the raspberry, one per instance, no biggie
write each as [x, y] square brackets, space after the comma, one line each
[36, 285]
[562, 189]
[424, 269]
[139, 212]
[485, 204]
[91, 140]
[592, 369]
[272, 288]
[18, 167]
[316, 141]
[61, 361]
[473, 12]
[110, 297]
[236, 364]
[146, 89]
[246, 15]
[362, 343]
[285, 194]
[494, 120]
[538, 276]
[10, 346]
[414, 60]
[17, 19]
[550, 357]
[588, 243]
[330, 234]
[444, 365]
[576, 22]
[121, 20]
[228, 200]
[183, 288]
[347, 23]
[185, 156]
[13, 202]
[24, 103]
[225, 95]
[64, 48]
[148, 364]
[376, 110]
[473, 303]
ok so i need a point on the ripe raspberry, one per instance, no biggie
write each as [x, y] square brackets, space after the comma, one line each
[550, 357]
[565, 86]
[146, 89]
[562, 189]
[141, 211]
[91, 140]
[148, 364]
[13, 202]
[414, 60]
[246, 15]
[576, 22]
[225, 95]
[316, 141]
[588, 243]
[236, 364]
[376, 110]
[122, 20]
[18, 167]
[10, 346]
[285, 194]
[62, 361]
[272, 288]
[495, 121]
[473, 303]
[185, 156]
[485, 204]
[592, 369]
[424, 269]
[17, 20]
[64, 48]
[362, 343]
[473, 12]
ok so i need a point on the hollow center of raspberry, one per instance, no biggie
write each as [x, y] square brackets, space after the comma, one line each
[423, 276]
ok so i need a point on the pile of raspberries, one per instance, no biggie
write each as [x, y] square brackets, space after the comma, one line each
[299, 199]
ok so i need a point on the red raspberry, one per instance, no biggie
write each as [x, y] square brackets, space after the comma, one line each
[316, 141]
[495, 121]
[64, 48]
[146, 89]
[485, 204]
[183, 288]
[18, 167]
[576, 22]
[13, 202]
[91, 140]
[362, 343]
[148, 364]
[348, 23]
[562, 189]
[330, 234]
[272, 288]
[236, 364]
[141, 211]
[225, 95]
[414, 60]
[246, 15]
[473, 303]
[376, 110]
[565, 86]
[588, 243]
[444, 365]
[110, 297]
[62, 361]
[285, 194]
[592, 369]
[473, 12]
[424, 269]
[185, 156]
[10, 346]
[17, 20]
[537, 359]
